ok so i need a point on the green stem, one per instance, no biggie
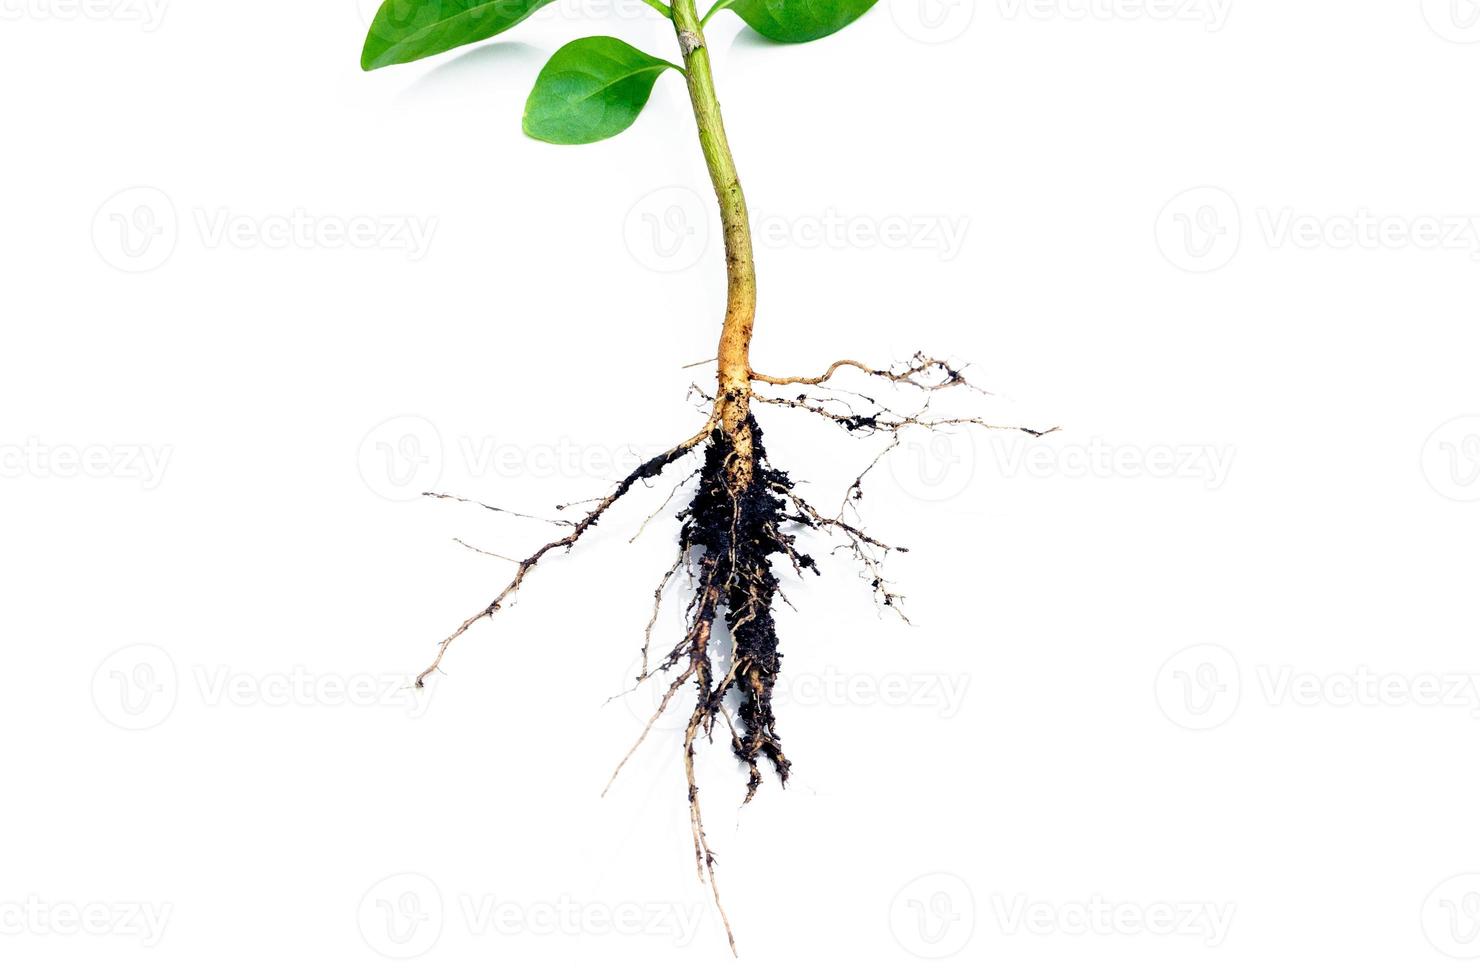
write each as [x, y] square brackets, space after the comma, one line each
[734, 349]
[660, 7]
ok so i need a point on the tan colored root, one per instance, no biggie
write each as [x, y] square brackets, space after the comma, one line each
[867, 550]
[673, 689]
[661, 507]
[704, 858]
[911, 373]
[647, 635]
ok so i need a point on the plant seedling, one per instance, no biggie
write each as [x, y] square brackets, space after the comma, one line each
[744, 512]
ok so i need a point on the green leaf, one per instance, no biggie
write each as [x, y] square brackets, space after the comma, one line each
[591, 90]
[799, 21]
[407, 30]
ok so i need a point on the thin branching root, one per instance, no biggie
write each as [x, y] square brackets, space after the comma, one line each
[741, 524]
[744, 518]
[647, 471]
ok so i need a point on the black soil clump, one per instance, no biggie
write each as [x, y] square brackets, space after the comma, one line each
[732, 537]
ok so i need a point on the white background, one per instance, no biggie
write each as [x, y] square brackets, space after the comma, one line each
[1226, 247]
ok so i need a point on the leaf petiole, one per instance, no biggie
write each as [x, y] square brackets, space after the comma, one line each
[718, 6]
[660, 7]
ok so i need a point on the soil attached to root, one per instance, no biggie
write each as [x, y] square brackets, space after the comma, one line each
[742, 520]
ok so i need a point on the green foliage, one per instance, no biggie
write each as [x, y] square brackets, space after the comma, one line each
[408, 30]
[799, 21]
[590, 90]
